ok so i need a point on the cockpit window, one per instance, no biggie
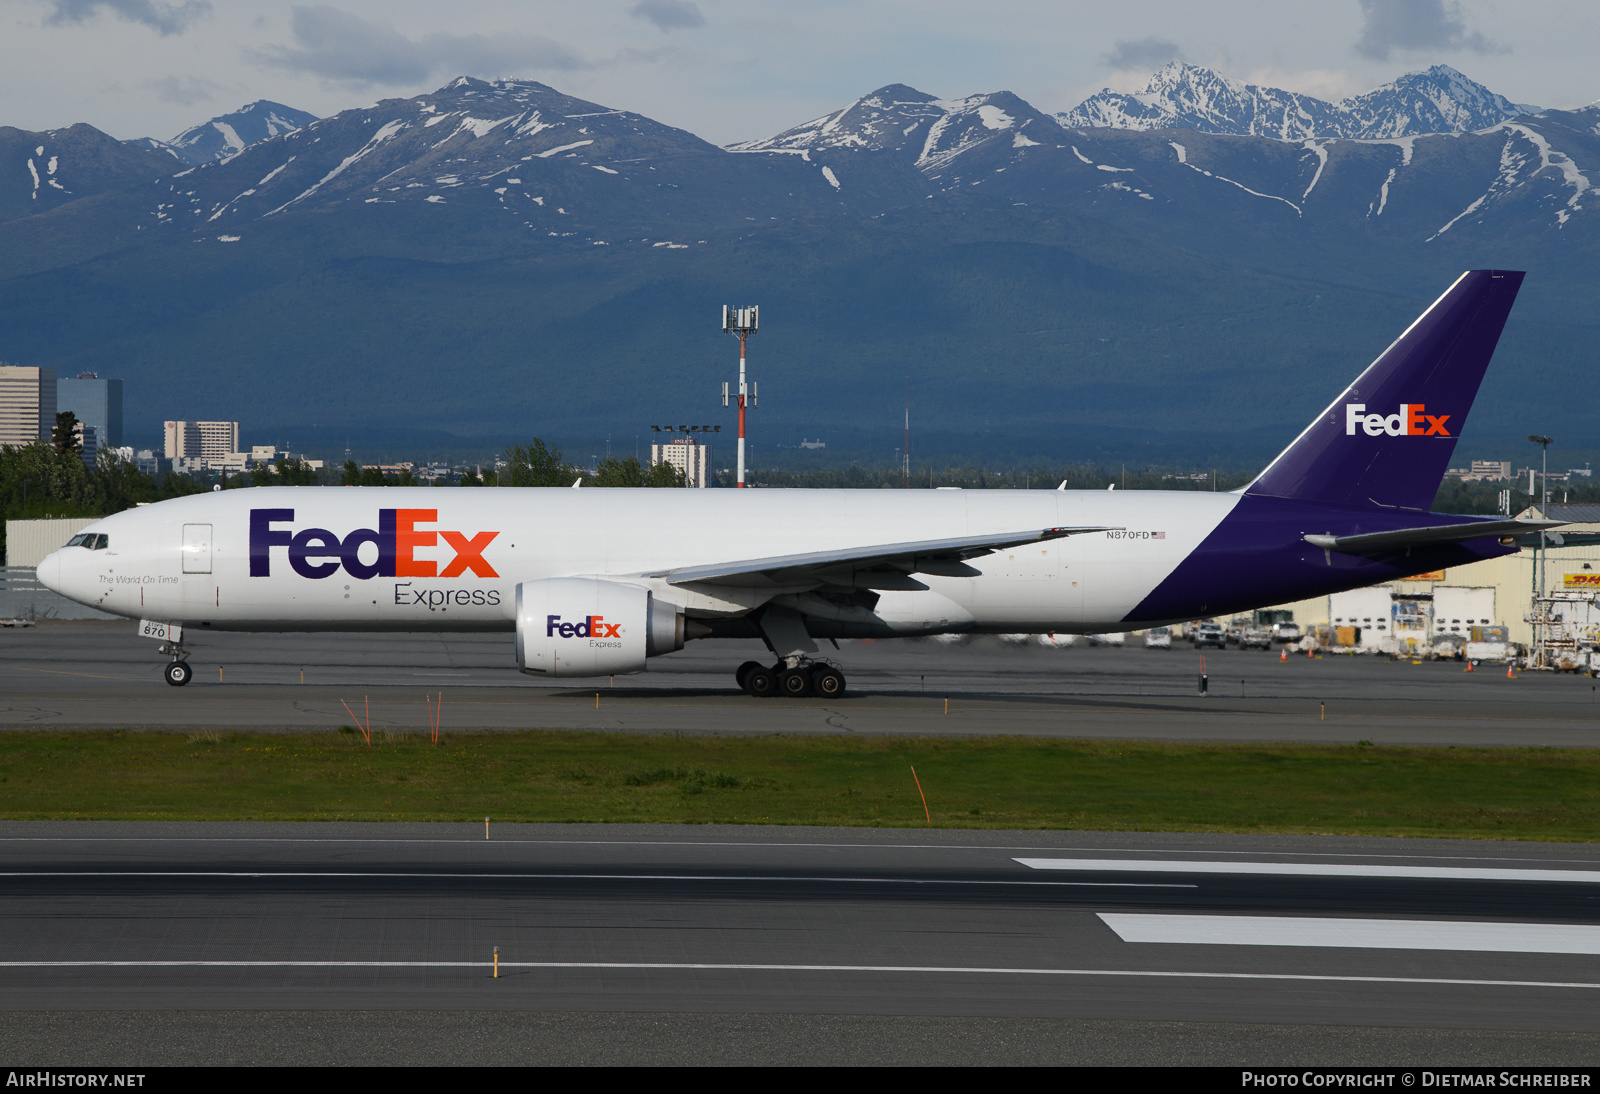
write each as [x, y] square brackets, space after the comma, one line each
[95, 541]
[101, 542]
[78, 540]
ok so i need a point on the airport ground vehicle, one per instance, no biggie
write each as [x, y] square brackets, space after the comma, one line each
[1256, 638]
[1158, 638]
[1209, 636]
[589, 584]
[1285, 633]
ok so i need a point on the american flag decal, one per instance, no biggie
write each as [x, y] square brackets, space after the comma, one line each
[1158, 535]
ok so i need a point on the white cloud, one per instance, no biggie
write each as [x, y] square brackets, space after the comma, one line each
[1404, 25]
[1329, 84]
[1146, 54]
[165, 19]
[337, 45]
[181, 90]
[669, 15]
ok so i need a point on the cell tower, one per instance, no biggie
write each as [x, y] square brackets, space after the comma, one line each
[743, 322]
[905, 475]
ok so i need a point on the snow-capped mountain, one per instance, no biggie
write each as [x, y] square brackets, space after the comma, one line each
[560, 166]
[1440, 100]
[888, 119]
[40, 171]
[490, 228]
[1184, 96]
[229, 134]
[900, 119]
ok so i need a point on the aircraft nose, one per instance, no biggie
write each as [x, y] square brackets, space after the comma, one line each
[49, 572]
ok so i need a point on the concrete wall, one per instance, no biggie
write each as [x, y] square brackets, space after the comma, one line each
[28, 541]
[22, 597]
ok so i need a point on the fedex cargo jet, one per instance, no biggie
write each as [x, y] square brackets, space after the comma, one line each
[595, 582]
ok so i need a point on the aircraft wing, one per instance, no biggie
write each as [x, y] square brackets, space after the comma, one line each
[1382, 543]
[893, 561]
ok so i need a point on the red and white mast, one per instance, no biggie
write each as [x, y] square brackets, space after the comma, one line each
[743, 322]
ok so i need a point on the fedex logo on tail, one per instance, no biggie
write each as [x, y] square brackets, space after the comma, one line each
[319, 553]
[1409, 422]
[593, 626]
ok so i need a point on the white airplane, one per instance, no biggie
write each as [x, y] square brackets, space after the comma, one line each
[595, 582]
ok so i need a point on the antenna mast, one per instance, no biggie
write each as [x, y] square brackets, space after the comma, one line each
[905, 472]
[743, 322]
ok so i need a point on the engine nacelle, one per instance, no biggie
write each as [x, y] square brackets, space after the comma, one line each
[584, 626]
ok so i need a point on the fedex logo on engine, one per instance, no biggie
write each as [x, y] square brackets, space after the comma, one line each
[319, 553]
[593, 626]
[1409, 422]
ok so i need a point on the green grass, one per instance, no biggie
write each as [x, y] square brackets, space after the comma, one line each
[1545, 794]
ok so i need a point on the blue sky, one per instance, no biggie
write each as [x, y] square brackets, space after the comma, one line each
[737, 69]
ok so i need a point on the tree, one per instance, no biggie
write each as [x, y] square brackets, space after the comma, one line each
[664, 474]
[351, 474]
[629, 472]
[535, 464]
[293, 471]
[261, 475]
[470, 478]
[65, 435]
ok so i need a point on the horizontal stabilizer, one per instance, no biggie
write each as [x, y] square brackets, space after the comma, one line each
[1383, 543]
[934, 556]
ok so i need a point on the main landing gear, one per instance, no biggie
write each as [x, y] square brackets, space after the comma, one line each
[793, 677]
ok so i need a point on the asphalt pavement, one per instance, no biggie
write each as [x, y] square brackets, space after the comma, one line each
[833, 945]
[145, 944]
[97, 675]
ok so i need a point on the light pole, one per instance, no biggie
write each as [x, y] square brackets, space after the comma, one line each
[743, 322]
[1544, 444]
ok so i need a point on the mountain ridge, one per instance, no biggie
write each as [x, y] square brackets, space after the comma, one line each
[498, 256]
[1184, 96]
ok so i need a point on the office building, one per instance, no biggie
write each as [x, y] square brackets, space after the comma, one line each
[88, 443]
[687, 455]
[27, 404]
[96, 401]
[201, 440]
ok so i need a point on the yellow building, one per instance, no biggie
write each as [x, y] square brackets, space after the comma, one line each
[1572, 564]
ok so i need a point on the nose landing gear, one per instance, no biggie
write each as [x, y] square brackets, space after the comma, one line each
[177, 672]
[793, 677]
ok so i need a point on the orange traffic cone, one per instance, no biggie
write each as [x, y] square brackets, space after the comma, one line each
[1284, 656]
[1509, 674]
[1311, 653]
[1468, 668]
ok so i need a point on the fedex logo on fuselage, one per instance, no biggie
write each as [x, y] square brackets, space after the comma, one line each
[319, 553]
[1409, 422]
[593, 626]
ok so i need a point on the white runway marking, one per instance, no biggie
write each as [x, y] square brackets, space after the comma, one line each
[754, 843]
[1366, 934]
[1308, 869]
[442, 875]
[708, 966]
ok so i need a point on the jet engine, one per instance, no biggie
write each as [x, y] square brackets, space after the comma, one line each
[583, 626]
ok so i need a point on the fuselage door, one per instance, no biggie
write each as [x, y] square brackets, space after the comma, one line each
[197, 548]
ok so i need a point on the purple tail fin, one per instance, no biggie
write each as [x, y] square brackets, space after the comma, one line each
[1388, 438]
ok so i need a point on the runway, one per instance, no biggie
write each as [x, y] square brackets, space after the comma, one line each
[96, 675]
[344, 943]
[794, 929]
